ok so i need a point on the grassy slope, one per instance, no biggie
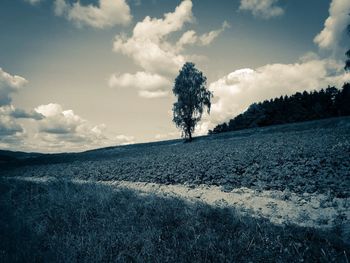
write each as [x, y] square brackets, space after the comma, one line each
[63, 222]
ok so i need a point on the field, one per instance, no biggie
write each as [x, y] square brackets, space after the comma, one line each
[274, 194]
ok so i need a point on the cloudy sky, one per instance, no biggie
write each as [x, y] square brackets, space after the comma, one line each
[76, 75]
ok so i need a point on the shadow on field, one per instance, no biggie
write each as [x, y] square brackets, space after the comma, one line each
[60, 221]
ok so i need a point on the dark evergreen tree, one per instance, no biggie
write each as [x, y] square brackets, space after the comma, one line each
[192, 97]
[295, 108]
[347, 62]
[342, 101]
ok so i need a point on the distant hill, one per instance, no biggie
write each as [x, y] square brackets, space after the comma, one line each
[10, 157]
[13, 159]
[299, 107]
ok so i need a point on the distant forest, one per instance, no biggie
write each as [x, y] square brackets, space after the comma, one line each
[305, 106]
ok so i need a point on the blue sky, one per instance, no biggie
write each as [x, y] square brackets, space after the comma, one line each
[95, 73]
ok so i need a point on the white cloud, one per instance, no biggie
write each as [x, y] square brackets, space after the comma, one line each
[49, 110]
[66, 122]
[190, 37]
[123, 140]
[10, 129]
[153, 94]
[9, 84]
[207, 38]
[60, 7]
[63, 130]
[236, 91]
[47, 128]
[150, 48]
[33, 2]
[49, 142]
[168, 136]
[58, 121]
[108, 13]
[262, 8]
[334, 25]
[149, 85]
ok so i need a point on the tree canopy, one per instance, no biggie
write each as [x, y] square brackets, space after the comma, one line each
[347, 62]
[298, 107]
[192, 98]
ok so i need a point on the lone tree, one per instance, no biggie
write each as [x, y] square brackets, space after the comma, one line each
[192, 98]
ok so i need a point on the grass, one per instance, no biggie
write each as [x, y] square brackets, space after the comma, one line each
[60, 221]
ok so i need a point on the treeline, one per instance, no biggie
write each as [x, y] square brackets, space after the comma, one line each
[298, 107]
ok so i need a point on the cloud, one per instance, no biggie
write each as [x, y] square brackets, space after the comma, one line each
[153, 94]
[56, 142]
[9, 84]
[58, 121]
[149, 85]
[49, 127]
[190, 37]
[66, 122]
[123, 140]
[236, 91]
[8, 126]
[16, 113]
[64, 130]
[167, 136]
[12, 134]
[108, 13]
[60, 7]
[150, 48]
[11, 131]
[33, 2]
[262, 8]
[334, 25]
[23, 114]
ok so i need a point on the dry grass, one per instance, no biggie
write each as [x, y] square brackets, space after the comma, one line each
[63, 222]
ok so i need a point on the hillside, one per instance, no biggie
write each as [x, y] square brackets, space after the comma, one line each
[298, 107]
[272, 194]
[304, 157]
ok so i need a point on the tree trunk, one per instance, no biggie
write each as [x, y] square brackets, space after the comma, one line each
[189, 136]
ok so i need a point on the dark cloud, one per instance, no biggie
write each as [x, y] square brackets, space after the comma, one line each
[9, 127]
[23, 114]
[8, 85]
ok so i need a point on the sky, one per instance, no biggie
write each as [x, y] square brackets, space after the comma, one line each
[77, 75]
